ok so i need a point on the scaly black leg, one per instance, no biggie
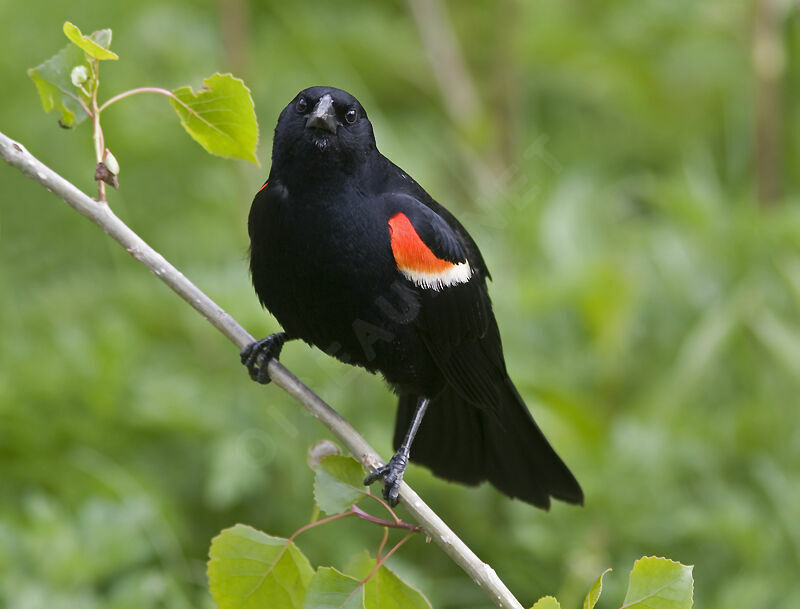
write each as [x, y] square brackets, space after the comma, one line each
[392, 472]
[257, 354]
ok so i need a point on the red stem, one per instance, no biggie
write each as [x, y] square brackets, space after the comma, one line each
[125, 94]
[158, 90]
[357, 511]
[380, 561]
[397, 524]
[383, 542]
[311, 525]
[386, 505]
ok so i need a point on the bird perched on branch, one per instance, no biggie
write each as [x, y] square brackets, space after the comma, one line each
[352, 256]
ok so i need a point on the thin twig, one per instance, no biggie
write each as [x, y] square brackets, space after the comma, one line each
[169, 94]
[16, 155]
[317, 523]
[383, 542]
[380, 561]
[158, 90]
[358, 512]
[399, 524]
[386, 505]
[97, 130]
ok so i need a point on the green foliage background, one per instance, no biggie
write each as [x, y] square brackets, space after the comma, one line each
[649, 308]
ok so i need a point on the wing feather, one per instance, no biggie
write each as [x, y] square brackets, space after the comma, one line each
[455, 321]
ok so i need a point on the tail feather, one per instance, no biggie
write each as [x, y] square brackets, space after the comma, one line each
[463, 443]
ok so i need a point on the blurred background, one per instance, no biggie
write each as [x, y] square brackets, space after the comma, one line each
[631, 172]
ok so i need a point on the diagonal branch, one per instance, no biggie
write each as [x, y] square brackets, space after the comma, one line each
[482, 574]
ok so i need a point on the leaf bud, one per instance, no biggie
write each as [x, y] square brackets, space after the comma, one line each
[79, 75]
[110, 161]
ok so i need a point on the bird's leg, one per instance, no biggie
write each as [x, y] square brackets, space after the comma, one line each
[257, 354]
[392, 472]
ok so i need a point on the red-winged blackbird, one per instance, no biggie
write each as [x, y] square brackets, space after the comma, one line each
[352, 256]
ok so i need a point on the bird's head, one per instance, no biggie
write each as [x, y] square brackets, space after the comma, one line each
[323, 125]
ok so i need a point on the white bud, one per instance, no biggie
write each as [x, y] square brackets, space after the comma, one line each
[111, 163]
[79, 75]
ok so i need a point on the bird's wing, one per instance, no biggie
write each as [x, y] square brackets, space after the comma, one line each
[399, 180]
[455, 319]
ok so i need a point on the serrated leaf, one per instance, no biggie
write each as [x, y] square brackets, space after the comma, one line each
[338, 483]
[53, 80]
[659, 583]
[594, 592]
[248, 569]
[547, 602]
[221, 117]
[384, 590]
[95, 45]
[360, 565]
[332, 589]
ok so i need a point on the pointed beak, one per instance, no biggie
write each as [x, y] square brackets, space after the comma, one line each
[323, 115]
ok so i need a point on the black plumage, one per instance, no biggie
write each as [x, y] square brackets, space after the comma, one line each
[352, 256]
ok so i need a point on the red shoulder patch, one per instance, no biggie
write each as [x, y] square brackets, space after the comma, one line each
[263, 187]
[410, 252]
[417, 262]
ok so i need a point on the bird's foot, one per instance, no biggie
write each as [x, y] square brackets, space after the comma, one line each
[392, 475]
[257, 354]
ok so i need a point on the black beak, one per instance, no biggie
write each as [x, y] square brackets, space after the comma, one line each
[323, 115]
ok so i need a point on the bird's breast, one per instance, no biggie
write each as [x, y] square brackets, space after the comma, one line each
[327, 273]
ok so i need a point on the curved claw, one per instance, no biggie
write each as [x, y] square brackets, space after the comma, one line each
[257, 354]
[392, 475]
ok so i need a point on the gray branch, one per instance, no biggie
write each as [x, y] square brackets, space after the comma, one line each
[17, 156]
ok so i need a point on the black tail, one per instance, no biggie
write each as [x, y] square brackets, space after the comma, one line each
[463, 443]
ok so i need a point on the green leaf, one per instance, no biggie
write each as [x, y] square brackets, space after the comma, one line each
[547, 602]
[332, 589]
[248, 569]
[53, 81]
[384, 590]
[360, 565]
[95, 45]
[221, 117]
[338, 484]
[659, 583]
[594, 592]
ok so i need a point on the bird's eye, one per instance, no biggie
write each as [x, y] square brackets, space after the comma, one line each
[302, 105]
[351, 115]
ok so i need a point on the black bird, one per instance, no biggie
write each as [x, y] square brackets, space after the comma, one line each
[352, 256]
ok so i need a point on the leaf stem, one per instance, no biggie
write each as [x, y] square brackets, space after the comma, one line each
[316, 523]
[383, 542]
[97, 130]
[379, 562]
[158, 90]
[386, 505]
[397, 524]
[358, 512]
